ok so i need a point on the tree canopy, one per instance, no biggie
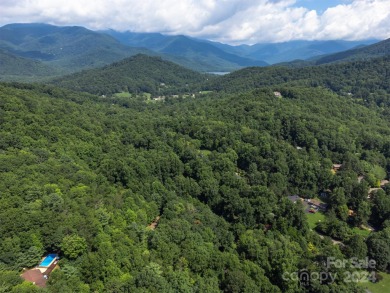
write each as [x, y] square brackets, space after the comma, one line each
[190, 195]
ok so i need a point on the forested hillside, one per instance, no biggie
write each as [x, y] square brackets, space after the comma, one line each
[189, 195]
[42, 51]
[74, 48]
[219, 54]
[70, 48]
[13, 67]
[376, 50]
[297, 50]
[203, 55]
[365, 81]
[140, 73]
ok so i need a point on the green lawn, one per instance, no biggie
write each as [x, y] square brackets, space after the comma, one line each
[380, 287]
[205, 152]
[205, 92]
[362, 232]
[313, 219]
[123, 95]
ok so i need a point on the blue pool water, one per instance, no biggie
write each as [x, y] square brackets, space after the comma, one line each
[48, 260]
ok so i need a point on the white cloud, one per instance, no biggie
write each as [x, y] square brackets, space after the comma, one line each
[360, 19]
[232, 21]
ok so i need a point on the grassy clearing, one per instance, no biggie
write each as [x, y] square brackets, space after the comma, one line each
[362, 232]
[123, 95]
[205, 92]
[380, 287]
[314, 219]
[205, 152]
[147, 97]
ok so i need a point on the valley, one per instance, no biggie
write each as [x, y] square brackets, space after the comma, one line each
[125, 158]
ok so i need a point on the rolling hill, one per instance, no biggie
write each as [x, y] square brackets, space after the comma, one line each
[13, 67]
[204, 50]
[76, 48]
[140, 73]
[364, 80]
[293, 50]
[191, 195]
[375, 50]
[188, 195]
[71, 48]
[204, 55]
[54, 51]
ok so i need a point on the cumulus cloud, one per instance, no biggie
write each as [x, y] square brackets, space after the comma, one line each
[360, 19]
[230, 21]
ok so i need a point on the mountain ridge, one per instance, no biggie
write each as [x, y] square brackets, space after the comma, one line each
[139, 73]
[200, 51]
[13, 67]
[378, 49]
[269, 52]
[68, 49]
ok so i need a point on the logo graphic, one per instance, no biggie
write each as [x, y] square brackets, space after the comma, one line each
[304, 278]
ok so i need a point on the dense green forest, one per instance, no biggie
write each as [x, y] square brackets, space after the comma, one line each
[74, 48]
[15, 68]
[365, 81]
[85, 176]
[137, 74]
[70, 48]
[376, 50]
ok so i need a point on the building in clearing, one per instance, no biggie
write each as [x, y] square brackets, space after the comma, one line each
[39, 275]
[294, 198]
[277, 94]
[34, 276]
[318, 204]
[336, 167]
[384, 182]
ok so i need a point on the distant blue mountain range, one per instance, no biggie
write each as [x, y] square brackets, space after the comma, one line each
[42, 47]
[270, 53]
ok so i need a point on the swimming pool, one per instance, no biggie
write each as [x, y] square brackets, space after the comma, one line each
[48, 260]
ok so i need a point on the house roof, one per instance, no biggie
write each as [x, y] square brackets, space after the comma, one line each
[294, 198]
[35, 276]
[371, 190]
[277, 94]
[318, 203]
[384, 182]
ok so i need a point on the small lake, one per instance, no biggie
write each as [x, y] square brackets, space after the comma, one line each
[219, 72]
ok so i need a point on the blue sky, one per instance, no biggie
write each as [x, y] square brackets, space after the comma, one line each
[227, 21]
[320, 5]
